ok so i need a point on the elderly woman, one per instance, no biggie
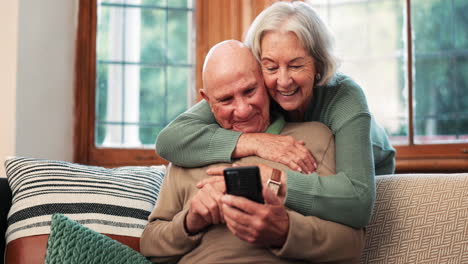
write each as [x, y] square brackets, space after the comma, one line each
[293, 46]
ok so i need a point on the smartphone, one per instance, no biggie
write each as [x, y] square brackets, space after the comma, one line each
[244, 181]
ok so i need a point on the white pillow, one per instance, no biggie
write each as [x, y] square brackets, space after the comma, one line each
[110, 201]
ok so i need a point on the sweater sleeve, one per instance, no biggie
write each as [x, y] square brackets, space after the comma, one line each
[348, 196]
[319, 241]
[164, 238]
[195, 139]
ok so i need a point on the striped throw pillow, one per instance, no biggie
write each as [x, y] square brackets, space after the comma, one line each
[110, 201]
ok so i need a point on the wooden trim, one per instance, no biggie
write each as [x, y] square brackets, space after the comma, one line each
[409, 36]
[85, 58]
[432, 158]
[431, 165]
[452, 151]
[124, 157]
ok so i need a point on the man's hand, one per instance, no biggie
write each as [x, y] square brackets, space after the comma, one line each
[205, 207]
[262, 224]
[282, 149]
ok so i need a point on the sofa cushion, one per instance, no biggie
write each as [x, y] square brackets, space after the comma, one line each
[70, 242]
[32, 249]
[111, 201]
[419, 218]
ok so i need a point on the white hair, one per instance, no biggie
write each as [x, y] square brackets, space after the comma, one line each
[301, 19]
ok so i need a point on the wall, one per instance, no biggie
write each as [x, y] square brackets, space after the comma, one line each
[42, 103]
[46, 46]
[8, 65]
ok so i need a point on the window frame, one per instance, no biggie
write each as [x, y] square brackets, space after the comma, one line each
[427, 157]
[85, 151]
[217, 21]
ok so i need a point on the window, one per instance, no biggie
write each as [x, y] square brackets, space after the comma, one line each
[418, 90]
[144, 70]
[135, 72]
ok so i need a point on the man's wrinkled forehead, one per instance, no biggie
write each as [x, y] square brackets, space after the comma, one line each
[224, 59]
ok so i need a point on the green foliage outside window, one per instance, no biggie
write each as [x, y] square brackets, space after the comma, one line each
[440, 62]
[165, 65]
[441, 68]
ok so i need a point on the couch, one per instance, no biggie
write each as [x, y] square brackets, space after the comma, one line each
[418, 218]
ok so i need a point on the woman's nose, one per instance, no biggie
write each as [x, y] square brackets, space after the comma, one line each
[284, 80]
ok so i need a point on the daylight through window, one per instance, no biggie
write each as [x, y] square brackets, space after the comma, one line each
[372, 40]
[144, 69]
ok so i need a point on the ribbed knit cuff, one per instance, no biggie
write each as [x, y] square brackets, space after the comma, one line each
[300, 188]
[222, 144]
[181, 234]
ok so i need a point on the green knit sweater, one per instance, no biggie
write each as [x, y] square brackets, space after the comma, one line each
[362, 150]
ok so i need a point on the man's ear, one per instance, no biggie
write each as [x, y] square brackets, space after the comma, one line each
[207, 98]
[204, 95]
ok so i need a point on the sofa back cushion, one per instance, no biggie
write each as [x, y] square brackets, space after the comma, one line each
[419, 218]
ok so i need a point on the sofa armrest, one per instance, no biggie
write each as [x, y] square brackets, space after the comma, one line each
[419, 218]
[5, 197]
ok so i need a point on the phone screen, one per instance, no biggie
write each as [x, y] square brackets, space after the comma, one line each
[244, 181]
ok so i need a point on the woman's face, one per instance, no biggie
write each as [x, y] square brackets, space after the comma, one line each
[288, 71]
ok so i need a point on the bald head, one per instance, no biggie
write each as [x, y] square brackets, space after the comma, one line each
[234, 88]
[226, 58]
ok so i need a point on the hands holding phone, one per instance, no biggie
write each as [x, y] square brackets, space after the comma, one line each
[263, 224]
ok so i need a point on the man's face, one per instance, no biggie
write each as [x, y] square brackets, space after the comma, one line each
[239, 100]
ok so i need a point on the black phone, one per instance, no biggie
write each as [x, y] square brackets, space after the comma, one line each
[244, 181]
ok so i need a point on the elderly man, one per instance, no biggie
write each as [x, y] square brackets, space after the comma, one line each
[194, 221]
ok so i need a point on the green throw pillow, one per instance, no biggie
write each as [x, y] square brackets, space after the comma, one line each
[70, 242]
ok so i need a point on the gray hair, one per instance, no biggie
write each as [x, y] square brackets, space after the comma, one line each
[301, 19]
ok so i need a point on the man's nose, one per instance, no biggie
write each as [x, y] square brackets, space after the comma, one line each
[284, 80]
[242, 110]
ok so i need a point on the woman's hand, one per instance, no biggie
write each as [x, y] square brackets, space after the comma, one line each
[282, 149]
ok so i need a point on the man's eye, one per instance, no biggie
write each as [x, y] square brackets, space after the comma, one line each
[250, 91]
[296, 66]
[225, 100]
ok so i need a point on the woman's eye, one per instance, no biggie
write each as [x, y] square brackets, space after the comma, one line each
[270, 68]
[296, 66]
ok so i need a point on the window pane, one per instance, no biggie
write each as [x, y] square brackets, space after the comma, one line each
[461, 23]
[178, 37]
[440, 79]
[153, 105]
[179, 3]
[369, 41]
[144, 69]
[153, 36]
[101, 102]
[161, 3]
[179, 77]
[153, 96]
[102, 38]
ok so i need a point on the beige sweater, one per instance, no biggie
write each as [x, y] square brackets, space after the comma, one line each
[310, 239]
